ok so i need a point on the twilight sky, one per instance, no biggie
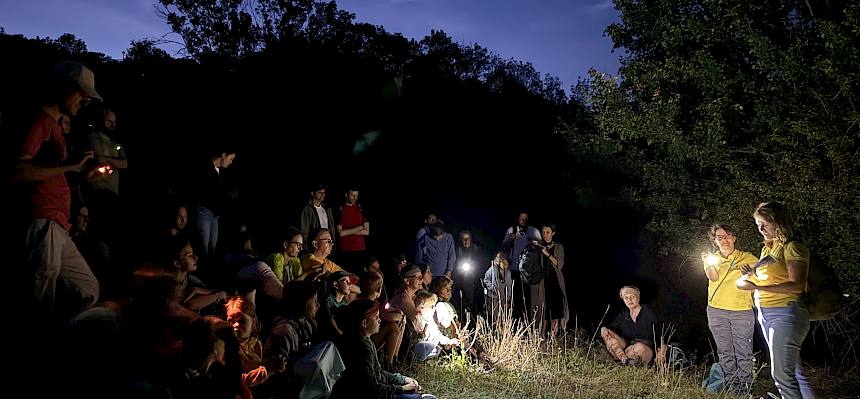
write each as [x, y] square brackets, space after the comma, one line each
[561, 37]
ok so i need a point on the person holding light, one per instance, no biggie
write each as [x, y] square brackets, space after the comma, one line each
[730, 315]
[778, 285]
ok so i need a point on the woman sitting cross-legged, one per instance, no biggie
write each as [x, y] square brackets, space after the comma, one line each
[630, 338]
[364, 376]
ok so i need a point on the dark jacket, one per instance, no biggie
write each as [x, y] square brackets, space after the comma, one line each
[363, 374]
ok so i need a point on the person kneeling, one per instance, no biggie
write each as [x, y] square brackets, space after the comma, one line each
[363, 373]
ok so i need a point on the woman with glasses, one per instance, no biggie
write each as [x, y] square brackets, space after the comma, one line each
[285, 263]
[777, 288]
[730, 315]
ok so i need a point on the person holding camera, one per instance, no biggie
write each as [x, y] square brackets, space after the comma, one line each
[517, 238]
[43, 162]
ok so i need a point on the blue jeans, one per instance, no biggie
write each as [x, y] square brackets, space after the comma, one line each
[413, 396]
[207, 227]
[784, 329]
[425, 350]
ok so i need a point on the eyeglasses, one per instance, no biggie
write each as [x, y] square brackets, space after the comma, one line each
[326, 240]
[297, 243]
[723, 236]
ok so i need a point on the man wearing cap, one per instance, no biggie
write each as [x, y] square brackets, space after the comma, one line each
[363, 374]
[316, 215]
[43, 161]
[337, 297]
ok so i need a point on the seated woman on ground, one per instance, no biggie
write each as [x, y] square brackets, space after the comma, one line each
[430, 339]
[630, 338]
[255, 368]
[445, 316]
[393, 325]
[180, 260]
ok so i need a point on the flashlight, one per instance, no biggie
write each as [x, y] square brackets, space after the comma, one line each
[105, 170]
[466, 266]
[712, 260]
[387, 306]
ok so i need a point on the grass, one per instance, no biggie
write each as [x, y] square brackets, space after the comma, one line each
[578, 366]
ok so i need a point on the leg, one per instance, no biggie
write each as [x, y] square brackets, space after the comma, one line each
[204, 228]
[721, 328]
[743, 323]
[614, 344]
[45, 259]
[785, 328]
[77, 274]
[640, 352]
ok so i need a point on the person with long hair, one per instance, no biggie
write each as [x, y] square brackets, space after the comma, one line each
[777, 287]
[730, 315]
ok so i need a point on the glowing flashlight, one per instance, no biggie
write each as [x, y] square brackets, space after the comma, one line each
[105, 169]
[466, 266]
[387, 306]
[118, 147]
[712, 260]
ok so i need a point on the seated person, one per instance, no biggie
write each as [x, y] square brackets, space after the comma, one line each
[363, 374]
[429, 338]
[336, 298]
[446, 316]
[391, 331]
[630, 338]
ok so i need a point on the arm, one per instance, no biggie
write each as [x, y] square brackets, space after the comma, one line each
[452, 256]
[350, 231]
[199, 300]
[552, 258]
[712, 273]
[305, 223]
[115, 162]
[27, 170]
[796, 283]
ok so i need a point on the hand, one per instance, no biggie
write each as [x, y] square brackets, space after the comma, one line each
[79, 167]
[448, 274]
[705, 257]
[545, 252]
[747, 269]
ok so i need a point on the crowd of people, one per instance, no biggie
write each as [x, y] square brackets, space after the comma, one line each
[203, 314]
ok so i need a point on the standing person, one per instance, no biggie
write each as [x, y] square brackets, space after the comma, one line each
[778, 286]
[730, 315]
[436, 249]
[316, 215]
[51, 253]
[353, 229]
[468, 272]
[212, 197]
[498, 288]
[517, 238]
[104, 194]
[553, 295]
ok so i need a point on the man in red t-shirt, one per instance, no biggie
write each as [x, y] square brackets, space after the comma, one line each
[352, 229]
[51, 253]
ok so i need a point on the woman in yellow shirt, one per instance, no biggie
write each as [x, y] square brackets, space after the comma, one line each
[778, 285]
[730, 315]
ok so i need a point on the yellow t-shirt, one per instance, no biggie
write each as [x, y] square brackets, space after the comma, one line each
[723, 293]
[309, 261]
[777, 272]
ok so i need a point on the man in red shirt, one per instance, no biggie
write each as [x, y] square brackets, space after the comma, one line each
[352, 229]
[43, 162]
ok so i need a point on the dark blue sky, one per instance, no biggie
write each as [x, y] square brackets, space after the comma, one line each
[561, 37]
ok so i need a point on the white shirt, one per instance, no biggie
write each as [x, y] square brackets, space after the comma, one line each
[323, 216]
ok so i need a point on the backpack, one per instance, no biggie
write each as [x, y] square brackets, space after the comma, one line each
[823, 295]
[676, 358]
[531, 265]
